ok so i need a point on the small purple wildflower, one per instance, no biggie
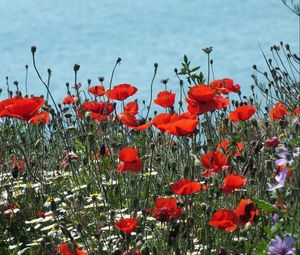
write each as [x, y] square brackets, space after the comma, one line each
[282, 247]
[280, 180]
[286, 157]
[276, 218]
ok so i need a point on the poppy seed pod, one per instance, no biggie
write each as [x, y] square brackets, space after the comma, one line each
[76, 67]
[33, 49]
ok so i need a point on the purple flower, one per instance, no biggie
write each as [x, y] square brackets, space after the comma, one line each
[286, 157]
[280, 180]
[281, 247]
[276, 218]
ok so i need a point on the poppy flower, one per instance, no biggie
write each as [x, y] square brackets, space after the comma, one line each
[99, 110]
[232, 182]
[126, 225]
[242, 113]
[272, 142]
[213, 162]
[224, 219]
[103, 108]
[202, 98]
[40, 117]
[165, 208]
[297, 111]
[69, 249]
[129, 160]
[21, 108]
[131, 121]
[165, 99]
[8, 102]
[70, 100]
[121, 92]
[132, 108]
[17, 164]
[225, 86]
[175, 124]
[233, 152]
[246, 211]
[97, 90]
[278, 111]
[186, 187]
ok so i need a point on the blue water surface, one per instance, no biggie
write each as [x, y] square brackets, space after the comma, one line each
[95, 33]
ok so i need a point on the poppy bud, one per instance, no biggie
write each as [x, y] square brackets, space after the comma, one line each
[33, 49]
[76, 67]
[155, 65]
[287, 46]
[119, 60]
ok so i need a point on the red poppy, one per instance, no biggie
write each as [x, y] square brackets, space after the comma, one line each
[131, 121]
[21, 108]
[202, 98]
[121, 92]
[129, 160]
[224, 219]
[69, 249]
[132, 252]
[8, 102]
[41, 214]
[232, 182]
[99, 110]
[103, 108]
[214, 162]
[297, 111]
[175, 124]
[40, 117]
[166, 208]
[165, 99]
[132, 108]
[278, 111]
[97, 90]
[242, 113]
[126, 225]
[233, 152]
[70, 100]
[246, 211]
[186, 187]
[18, 164]
[272, 142]
[225, 86]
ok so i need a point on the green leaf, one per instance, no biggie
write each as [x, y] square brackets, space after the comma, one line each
[264, 205]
